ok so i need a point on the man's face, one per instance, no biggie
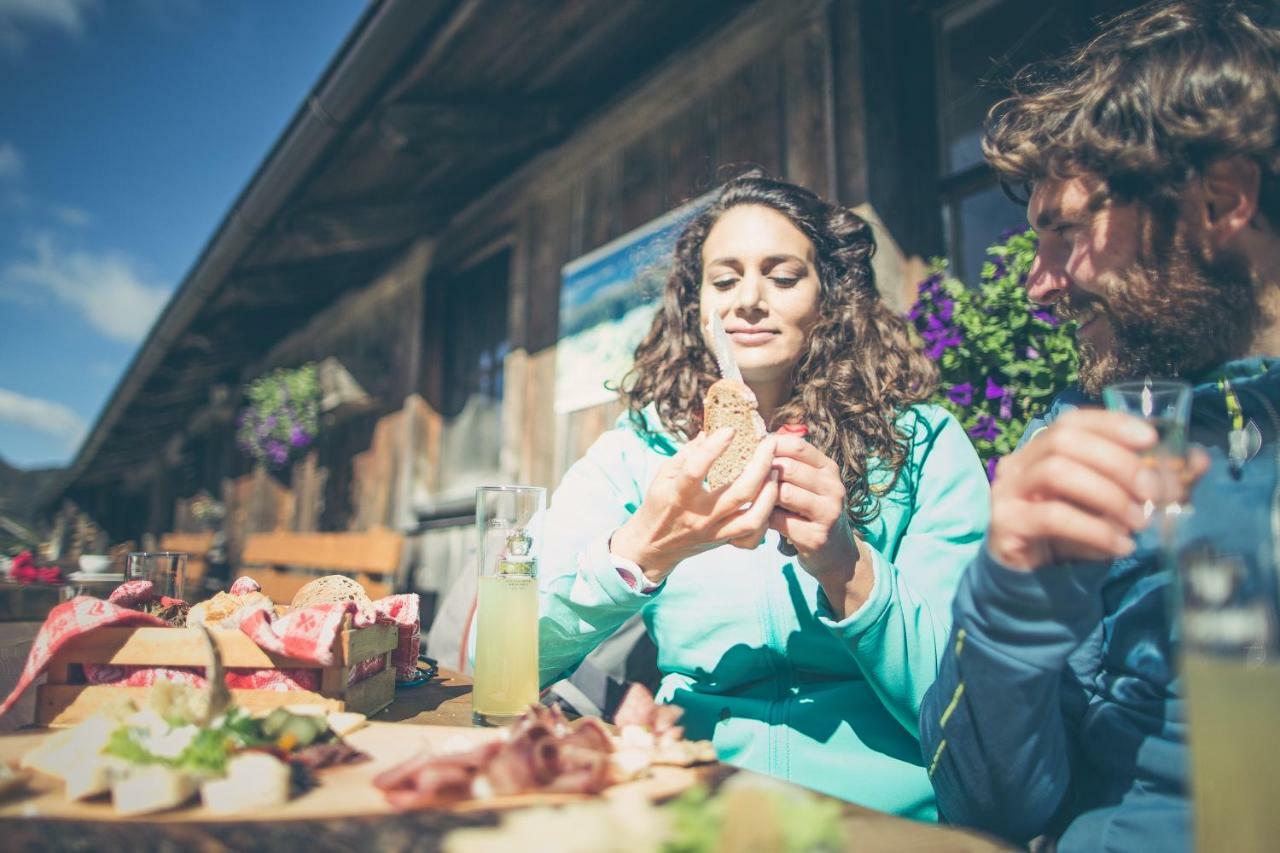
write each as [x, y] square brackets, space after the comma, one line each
[1150, 298]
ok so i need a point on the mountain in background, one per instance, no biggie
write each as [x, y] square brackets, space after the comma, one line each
[19, 489]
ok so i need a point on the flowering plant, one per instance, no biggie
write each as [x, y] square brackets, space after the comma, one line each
[24, 570]
[206, 510]
[1001, 359]
[282, 416]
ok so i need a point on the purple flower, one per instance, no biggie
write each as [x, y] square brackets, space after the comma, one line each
[1045, 316]
[298, 437]
[271, 422]
[961, 395]
[946, 307]
[991, 468]
[985, 428]
[1006, 407]
[1033, 353]
[931, 285]
[277, 452]
[994, 390]
[915, 313]
[940, 337]
[941, 344]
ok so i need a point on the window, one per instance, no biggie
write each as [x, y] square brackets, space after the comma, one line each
[979, 44]
[476, 342]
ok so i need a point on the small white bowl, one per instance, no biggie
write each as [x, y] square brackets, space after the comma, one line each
[94, 563]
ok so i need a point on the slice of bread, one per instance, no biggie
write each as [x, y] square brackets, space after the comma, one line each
[730, 403]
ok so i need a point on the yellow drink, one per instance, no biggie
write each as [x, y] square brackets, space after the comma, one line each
[506, 678]
[1235, 754]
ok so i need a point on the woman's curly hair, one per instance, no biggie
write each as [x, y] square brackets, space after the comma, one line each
[1160, 94]
[859, 373]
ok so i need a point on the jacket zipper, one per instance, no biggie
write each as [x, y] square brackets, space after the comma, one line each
[1275, 492]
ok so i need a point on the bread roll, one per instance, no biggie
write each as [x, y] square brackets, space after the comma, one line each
[730, 403]
[225, 610]
[330, 589]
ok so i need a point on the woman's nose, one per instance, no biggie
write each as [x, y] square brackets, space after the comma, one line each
[750, 293]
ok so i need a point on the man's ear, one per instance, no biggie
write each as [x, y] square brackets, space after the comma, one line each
[1231, 188]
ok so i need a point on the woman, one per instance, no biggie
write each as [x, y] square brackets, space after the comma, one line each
[809, 667]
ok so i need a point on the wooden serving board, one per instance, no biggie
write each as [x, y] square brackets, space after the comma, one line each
[343, 792]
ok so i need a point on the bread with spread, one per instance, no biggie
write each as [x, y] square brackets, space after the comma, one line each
[730, 403]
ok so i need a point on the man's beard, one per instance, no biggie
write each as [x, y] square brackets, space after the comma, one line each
[1179, 313]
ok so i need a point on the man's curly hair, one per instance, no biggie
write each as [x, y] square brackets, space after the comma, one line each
[1163, 92]
[861, 369]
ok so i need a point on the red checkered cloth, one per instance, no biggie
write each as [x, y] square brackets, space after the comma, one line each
[306, 634]
[71, 619]
[237, 679]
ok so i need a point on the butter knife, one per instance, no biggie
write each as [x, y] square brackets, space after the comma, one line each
[723, 353]
[722, 350]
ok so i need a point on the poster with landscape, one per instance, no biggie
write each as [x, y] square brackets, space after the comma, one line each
[607, 302]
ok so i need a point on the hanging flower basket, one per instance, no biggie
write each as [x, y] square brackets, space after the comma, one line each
[281, 417]
[1001, 359]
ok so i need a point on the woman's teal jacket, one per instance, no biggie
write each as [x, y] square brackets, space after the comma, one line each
[746, 642]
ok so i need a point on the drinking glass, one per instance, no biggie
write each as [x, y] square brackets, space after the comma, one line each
[1166, 405]
[167, 571]
[509, 527]
[1231, 676]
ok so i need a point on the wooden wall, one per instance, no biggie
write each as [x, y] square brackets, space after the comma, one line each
[760, 92]
[788, 85]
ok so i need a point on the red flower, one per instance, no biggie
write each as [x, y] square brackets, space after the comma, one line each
[24, 570]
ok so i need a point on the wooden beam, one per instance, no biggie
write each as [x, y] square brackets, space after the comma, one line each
[344, 228]
[497, 124]
[680, 82]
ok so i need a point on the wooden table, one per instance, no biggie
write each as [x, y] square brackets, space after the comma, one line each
[445, 701]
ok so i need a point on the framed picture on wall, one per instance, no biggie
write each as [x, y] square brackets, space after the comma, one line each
[607, 301]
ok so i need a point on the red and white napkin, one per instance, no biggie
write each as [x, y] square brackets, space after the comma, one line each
[306, 634]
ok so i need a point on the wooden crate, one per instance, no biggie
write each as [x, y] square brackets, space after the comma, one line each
[60, 702]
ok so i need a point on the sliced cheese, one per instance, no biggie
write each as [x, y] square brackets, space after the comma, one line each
[343, 723]
[89, 777]
[254, 780]
[151, 789]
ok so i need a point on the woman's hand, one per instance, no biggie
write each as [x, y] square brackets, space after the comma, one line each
[811, 514]
[680, 518]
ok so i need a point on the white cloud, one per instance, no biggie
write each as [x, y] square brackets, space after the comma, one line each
[73, 216]
[18, 18]
[11, 162]
[103, 370]
[105, 288]
[44, 416]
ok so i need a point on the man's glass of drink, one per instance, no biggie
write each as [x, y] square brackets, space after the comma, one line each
[1166, 405]
[509, 527]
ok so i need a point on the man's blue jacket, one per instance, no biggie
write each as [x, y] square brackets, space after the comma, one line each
[1058, 709]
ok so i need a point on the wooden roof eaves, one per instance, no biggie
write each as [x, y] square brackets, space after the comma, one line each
[376, 45]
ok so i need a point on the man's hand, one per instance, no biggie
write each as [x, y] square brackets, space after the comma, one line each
[680, 518]
[1077, 491]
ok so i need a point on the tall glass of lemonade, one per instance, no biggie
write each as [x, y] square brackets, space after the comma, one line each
[1231, 673]
[509, 525]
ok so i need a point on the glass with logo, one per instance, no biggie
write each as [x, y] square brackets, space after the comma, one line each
[509, 527]
[1231, 675]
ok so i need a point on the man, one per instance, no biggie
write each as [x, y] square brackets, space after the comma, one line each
[1153, 159]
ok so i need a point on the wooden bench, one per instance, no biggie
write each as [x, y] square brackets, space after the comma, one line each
[284, 562]
[195, 546]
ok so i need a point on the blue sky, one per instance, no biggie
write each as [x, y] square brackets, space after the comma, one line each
[127, 128]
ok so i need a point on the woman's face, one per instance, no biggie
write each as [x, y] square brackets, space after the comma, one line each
[759, 275]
